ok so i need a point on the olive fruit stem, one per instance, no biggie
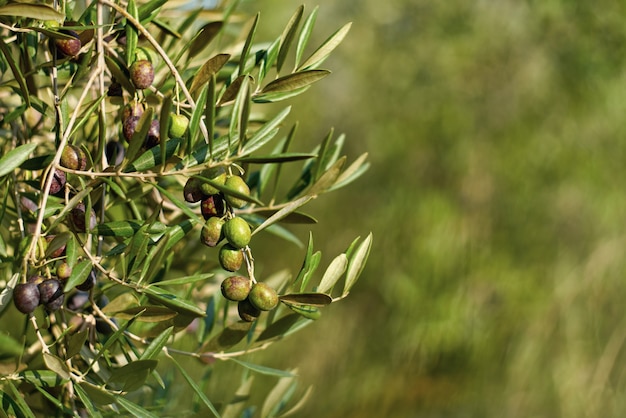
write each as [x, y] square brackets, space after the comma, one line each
[247, 256]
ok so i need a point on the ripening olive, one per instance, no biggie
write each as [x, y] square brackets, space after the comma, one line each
[26, 297]
[154, 135]
[67, 47]
[236, 288]
[237, 232]
[212, 206]
[247, 311]
[74, 158]
[142, 74]
[237, 184]
[51, 294]
[64, 271]
[129, 126]
[211, 233]
[230, 258]
[178, 126]
[263, 296]
[77, 218]
[58, 181]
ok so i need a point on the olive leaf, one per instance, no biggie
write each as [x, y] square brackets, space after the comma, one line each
[12, 159]
[294, 81]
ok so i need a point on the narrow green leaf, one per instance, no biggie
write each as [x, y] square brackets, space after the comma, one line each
[291, 207]
[287, 36]
[326, 48]
[80, 272]
[311, 299]
[18, 399]
[279, 328]
[295, 81]
[134, 409]
[265, 133]
[333, 273]
[56, 365]
[86, 400]
[89, 112]
[132, 35]
[42, 378]
[31, 10]
[311, 267]
[196, 115]
[96, 394]
[278, 96]
[119, 73]
[262, 369]
[208, 69]
[210, 110]
[204, 37]
[172, 301]
[235, 407]
[146, 313]
[148, 11]
[307, 311]
[6, 297]
[156, 345]
[354, 171]
[117, 228]
[269, 58]
[232, 91]
[195, 388]
[75, 342]
[71, 251]
[327, 179]
[277, 158]
[231, 192]
[119, 303]
[186, 280]
[357, 263]
[278, 397]
[246, 47]
[14, 158]
[154, 157]
[305, 34]
[17, 72]
[133, 375]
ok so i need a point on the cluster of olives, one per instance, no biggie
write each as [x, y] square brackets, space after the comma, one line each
[252, 297]
[49, 292]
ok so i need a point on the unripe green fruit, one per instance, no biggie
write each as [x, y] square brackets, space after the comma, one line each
[230, 258]
[178, 126]
[236, 288]
[213, 206]
[26, 297]
[142, 74]
[74, 158]
[237, 184]
[217, 175]
[263, 297]
[211, 233]
[64, 271]
[237, 232]
[247, 311]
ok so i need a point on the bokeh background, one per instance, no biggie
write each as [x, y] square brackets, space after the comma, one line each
[497, 200]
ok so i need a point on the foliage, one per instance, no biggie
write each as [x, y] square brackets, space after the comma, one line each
[83, 189]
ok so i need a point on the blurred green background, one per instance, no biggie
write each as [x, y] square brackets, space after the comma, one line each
[496, 197]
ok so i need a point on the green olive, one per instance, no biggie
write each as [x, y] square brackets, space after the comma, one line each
[236, 184]
[236, 288]
[178, 126]
[215, 174]
[237, 232]
[263, 297]
[230, 258]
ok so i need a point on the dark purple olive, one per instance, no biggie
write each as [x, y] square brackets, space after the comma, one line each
[114, 151]
[58, 182]
[129, 126]
[115, 90]
[67, 47]
[247, 311]
[213, 206]
[50, 290]
[77, 218]
[154, 136]
[192, 190]
[26, 297]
